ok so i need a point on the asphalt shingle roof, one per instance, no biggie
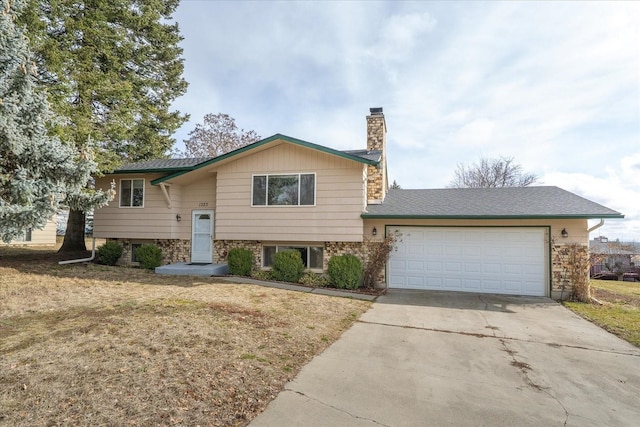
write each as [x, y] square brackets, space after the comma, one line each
[162, 164]
[186, 165]
[512, 202]
[374, 155]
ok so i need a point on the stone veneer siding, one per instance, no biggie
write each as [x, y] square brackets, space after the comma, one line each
[222, 247]
[173, 250]
[358, 249]
[376, 135]
[221, 250]
[560, 274]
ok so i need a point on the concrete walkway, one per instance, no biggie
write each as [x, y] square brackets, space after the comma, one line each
[431, 359]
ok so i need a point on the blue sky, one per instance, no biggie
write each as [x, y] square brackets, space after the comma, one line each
[556, 85]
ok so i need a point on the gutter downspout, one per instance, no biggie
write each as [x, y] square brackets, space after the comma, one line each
[595, 227]
[73, 261]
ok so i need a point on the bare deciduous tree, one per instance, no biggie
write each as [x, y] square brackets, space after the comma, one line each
[217, 135]
[488, 173]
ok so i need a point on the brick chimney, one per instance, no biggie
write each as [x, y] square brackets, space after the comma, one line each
[376, 141]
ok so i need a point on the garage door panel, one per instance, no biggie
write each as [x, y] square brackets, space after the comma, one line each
[415, 249]
[452, 251]
[434, 266]
[493, 251]
[453, 267]
[416, 281]
[453, 283]
[513, 269]
[473, 285]
[413, 266]
[473, 267]
[495, 260]
[433, 282]
[492, 286]
[473, 251]
[491, 268]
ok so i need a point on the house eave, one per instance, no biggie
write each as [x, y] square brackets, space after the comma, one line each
[150, 170]
[260, 143]
[492, 217]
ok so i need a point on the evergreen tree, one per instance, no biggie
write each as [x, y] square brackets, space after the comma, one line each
[112, 69]
[37, 171]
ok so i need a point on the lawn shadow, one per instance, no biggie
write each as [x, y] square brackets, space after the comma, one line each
[462, 300]
[44, 261]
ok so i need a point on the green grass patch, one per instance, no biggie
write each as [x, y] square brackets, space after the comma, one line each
[619, 287]
[619, 319]
[620, 311]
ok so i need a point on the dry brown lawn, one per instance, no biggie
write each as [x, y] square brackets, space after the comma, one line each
[93, 345]
[618, 311]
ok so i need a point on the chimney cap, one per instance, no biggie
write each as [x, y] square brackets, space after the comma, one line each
[375, 111]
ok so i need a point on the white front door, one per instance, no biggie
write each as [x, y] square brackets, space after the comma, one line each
[202, 236]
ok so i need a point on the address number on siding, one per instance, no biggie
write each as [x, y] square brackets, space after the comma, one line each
[203, 204]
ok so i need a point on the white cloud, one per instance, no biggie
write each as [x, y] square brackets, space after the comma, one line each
[555, 85]
[619, 190]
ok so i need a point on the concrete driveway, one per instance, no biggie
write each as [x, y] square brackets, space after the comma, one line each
[440, 358]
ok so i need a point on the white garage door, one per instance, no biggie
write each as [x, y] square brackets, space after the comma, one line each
[471, 259]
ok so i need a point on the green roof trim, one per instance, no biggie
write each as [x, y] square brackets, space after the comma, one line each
[262, 142]
[160, 170]
[485, 217]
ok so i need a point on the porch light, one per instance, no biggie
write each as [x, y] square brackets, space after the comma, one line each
[178, 217]
[374, 231]
[564, 233]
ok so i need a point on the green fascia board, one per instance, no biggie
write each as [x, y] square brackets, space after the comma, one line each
[155, 170]
[479, 217]
[257, 144]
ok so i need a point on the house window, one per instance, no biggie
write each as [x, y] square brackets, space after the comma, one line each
[284, 190]
[25, 237]
[131, 193]
[134, 248]
[311, 255]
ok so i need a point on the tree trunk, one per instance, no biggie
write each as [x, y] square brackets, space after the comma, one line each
[74, 236]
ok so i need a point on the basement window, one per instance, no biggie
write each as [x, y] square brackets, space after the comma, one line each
[134, 247]
[312, 256]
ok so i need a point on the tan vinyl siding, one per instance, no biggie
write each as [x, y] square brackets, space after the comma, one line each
[153, 221]
[44, 237]
[200, 194]
[577, 228]
[335, 217]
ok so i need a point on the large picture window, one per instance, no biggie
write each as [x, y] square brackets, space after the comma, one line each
[311, 255]
[131, 193]
[284, 190]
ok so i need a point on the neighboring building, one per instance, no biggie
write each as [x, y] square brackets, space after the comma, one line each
[35, 237]
[281, 193]
[613, 256]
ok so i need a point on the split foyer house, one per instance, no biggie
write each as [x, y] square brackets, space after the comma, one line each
[285, 193]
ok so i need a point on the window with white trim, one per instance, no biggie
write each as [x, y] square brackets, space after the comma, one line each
[297, 189]
[131, 193]
[24, 237]
[312, 256]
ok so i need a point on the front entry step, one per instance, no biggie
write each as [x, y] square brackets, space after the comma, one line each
[188, 269]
